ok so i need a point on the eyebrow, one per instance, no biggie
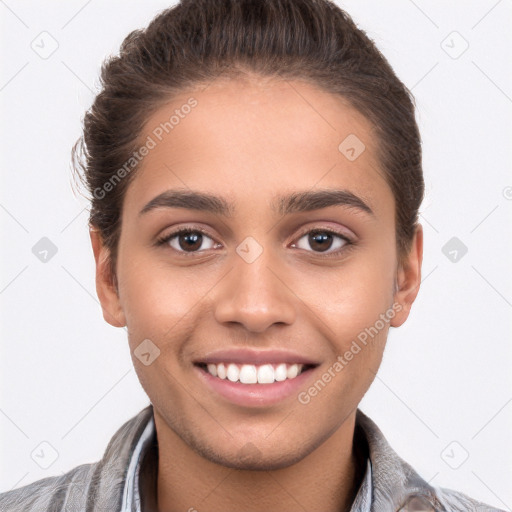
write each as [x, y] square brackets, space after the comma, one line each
[282, 205]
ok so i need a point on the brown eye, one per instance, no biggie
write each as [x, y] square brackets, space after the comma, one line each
[188, 241]
[321, 240]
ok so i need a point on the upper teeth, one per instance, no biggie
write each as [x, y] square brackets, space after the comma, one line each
[252, 374]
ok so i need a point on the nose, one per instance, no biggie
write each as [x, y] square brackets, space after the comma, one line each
[255, 295]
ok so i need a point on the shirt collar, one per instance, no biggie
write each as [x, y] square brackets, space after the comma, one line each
[131, 493]
[363, 499]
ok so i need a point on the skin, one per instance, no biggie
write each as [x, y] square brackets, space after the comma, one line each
[248, 141]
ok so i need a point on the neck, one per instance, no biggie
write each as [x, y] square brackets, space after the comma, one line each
[326, 480]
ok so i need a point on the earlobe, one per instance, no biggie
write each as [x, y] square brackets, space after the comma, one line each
[408, 278]
[105, 287]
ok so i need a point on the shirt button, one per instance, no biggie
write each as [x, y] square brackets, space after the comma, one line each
[417, 504]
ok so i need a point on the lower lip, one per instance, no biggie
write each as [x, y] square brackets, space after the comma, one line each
[254, 395]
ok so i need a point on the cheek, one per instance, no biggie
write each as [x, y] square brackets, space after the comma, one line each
[155, 295]
[351, 298]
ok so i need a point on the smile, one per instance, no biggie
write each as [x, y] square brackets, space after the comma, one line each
[254, 385]
[255, 374]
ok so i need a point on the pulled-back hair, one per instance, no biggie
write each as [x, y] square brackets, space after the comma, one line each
[196, 41]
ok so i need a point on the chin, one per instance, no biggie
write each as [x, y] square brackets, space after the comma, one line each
[249, 458]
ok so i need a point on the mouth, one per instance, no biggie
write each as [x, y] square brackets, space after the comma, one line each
[254, 378]
[255, 373]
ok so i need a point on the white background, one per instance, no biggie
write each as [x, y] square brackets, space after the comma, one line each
[67, 376]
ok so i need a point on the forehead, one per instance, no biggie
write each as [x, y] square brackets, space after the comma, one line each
[250, 139]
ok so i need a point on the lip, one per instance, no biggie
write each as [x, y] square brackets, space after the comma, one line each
[254, 395]
[256, 357]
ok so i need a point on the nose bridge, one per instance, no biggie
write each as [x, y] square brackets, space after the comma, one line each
[253, 295]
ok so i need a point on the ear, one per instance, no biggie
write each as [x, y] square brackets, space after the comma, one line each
[408, 278]
[105, 287]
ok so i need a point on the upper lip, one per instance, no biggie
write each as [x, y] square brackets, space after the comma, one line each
[250, 356]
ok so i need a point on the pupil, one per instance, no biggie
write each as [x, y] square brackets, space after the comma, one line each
[321, 241]
[193, 241]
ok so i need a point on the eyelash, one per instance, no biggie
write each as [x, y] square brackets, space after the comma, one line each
[347, 245]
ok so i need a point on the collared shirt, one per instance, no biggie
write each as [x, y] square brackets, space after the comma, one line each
[131, 460]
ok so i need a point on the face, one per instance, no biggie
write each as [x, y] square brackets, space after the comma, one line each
[289, 267]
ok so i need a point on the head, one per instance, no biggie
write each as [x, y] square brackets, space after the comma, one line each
[289, 134]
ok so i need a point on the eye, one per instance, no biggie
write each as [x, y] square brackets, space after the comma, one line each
[187, 240]
[322, 241]
[193, 240]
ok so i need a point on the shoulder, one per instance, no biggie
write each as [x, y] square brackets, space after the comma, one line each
[100, 483]
[51, 492]
[457, 501]
[397, 486]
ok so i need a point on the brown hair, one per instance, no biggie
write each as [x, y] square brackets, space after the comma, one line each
[197, 41]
